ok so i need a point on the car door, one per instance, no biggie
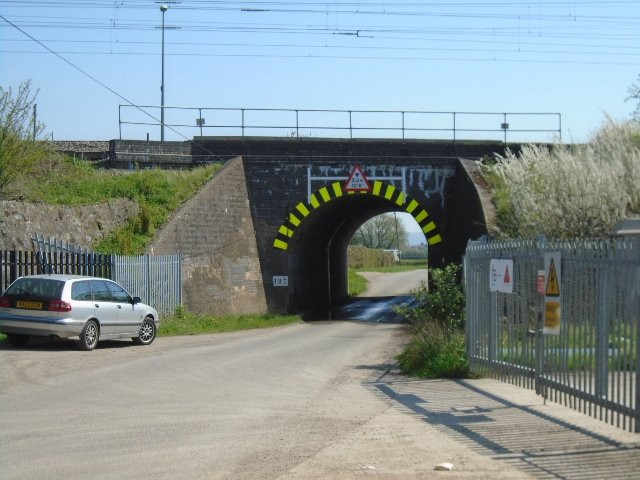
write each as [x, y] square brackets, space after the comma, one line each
[106, 309]
[128, 321]
[82, 298]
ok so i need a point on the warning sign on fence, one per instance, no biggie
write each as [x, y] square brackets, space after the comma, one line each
[552, 293]
[501, 276]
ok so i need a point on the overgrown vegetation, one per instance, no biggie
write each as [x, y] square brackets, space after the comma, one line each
[436, 323]
[186, 323]
[60, 180]
[565, 191]
[20, 151]
[360, 256]
[29, 170]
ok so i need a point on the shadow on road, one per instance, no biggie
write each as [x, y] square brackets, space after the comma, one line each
[540, 444]
[371, 309]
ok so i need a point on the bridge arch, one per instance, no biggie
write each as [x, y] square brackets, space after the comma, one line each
[317, 232]
[336, 190]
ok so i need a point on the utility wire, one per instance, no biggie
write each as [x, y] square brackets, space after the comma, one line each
[105, 86]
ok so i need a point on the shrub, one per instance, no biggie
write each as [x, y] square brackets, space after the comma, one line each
[442, 304]
[569, 191]
[435, 353]
[363, 257]
[19, 148]
[437, 345]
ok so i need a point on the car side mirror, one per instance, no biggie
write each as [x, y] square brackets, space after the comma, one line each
[135, 300]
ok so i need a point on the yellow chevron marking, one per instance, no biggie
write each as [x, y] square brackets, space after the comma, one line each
[295, 221]
[435, 239]
[314, 201]
[390, 191]
[377, 185]
[428, 227]
[412, 206]
[421, 216]
[325, 194]
[277, 243]
[401, 199]
[301, 207]
[337, 189]
[286, 231]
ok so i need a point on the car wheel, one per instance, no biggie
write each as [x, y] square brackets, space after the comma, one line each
[147, 332]
[17, 340]
[89, 336]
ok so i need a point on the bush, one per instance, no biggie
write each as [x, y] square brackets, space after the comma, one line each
[569, 191]
[443, 303]
[435, 353]
[363, 257]
[19, 149]
[437, 345]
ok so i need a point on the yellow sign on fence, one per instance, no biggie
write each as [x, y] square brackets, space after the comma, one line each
[552, 293]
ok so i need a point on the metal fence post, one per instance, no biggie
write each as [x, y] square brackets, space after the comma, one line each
[539, 354]
[602, 332]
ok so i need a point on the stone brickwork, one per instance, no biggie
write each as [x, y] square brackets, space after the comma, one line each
[241, 251]
[133, 154]
[215, 234]
[83, 225]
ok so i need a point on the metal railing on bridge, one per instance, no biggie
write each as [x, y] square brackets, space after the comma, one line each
[591, 363]
[181, 122]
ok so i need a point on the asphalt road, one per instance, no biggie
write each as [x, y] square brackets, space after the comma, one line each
[319, 400]
[391, 284]
[243, 405]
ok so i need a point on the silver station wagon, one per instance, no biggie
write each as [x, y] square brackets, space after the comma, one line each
[67, 306]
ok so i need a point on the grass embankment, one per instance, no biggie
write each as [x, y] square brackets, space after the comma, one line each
[65, 181]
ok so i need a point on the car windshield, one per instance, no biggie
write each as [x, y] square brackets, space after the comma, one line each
[40, 288]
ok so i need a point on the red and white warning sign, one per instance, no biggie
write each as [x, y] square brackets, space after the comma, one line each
[357, 180]
[501, 276]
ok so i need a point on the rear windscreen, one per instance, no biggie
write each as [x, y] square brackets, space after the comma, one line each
[35, 288]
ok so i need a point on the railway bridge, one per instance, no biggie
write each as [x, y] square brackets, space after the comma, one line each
[270, 231]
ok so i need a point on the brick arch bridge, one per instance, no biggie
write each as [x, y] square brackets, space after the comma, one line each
[270, 231]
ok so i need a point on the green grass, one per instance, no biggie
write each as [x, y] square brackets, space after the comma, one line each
[185, 323]
[65, 181]
[357, 283]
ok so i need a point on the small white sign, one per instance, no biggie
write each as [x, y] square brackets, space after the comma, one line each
[501, 276]
[280, 281]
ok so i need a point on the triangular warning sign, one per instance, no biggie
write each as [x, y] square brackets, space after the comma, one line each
[553, 286]
[507, 278]
[357, 180]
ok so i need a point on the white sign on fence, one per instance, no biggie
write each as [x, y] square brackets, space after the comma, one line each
[501, 276]
[280, 281]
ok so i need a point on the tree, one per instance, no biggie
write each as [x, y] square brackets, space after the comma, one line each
[19, 148]
[564, 191]
[380, 232]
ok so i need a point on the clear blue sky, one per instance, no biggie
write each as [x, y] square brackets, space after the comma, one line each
[576, 57]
